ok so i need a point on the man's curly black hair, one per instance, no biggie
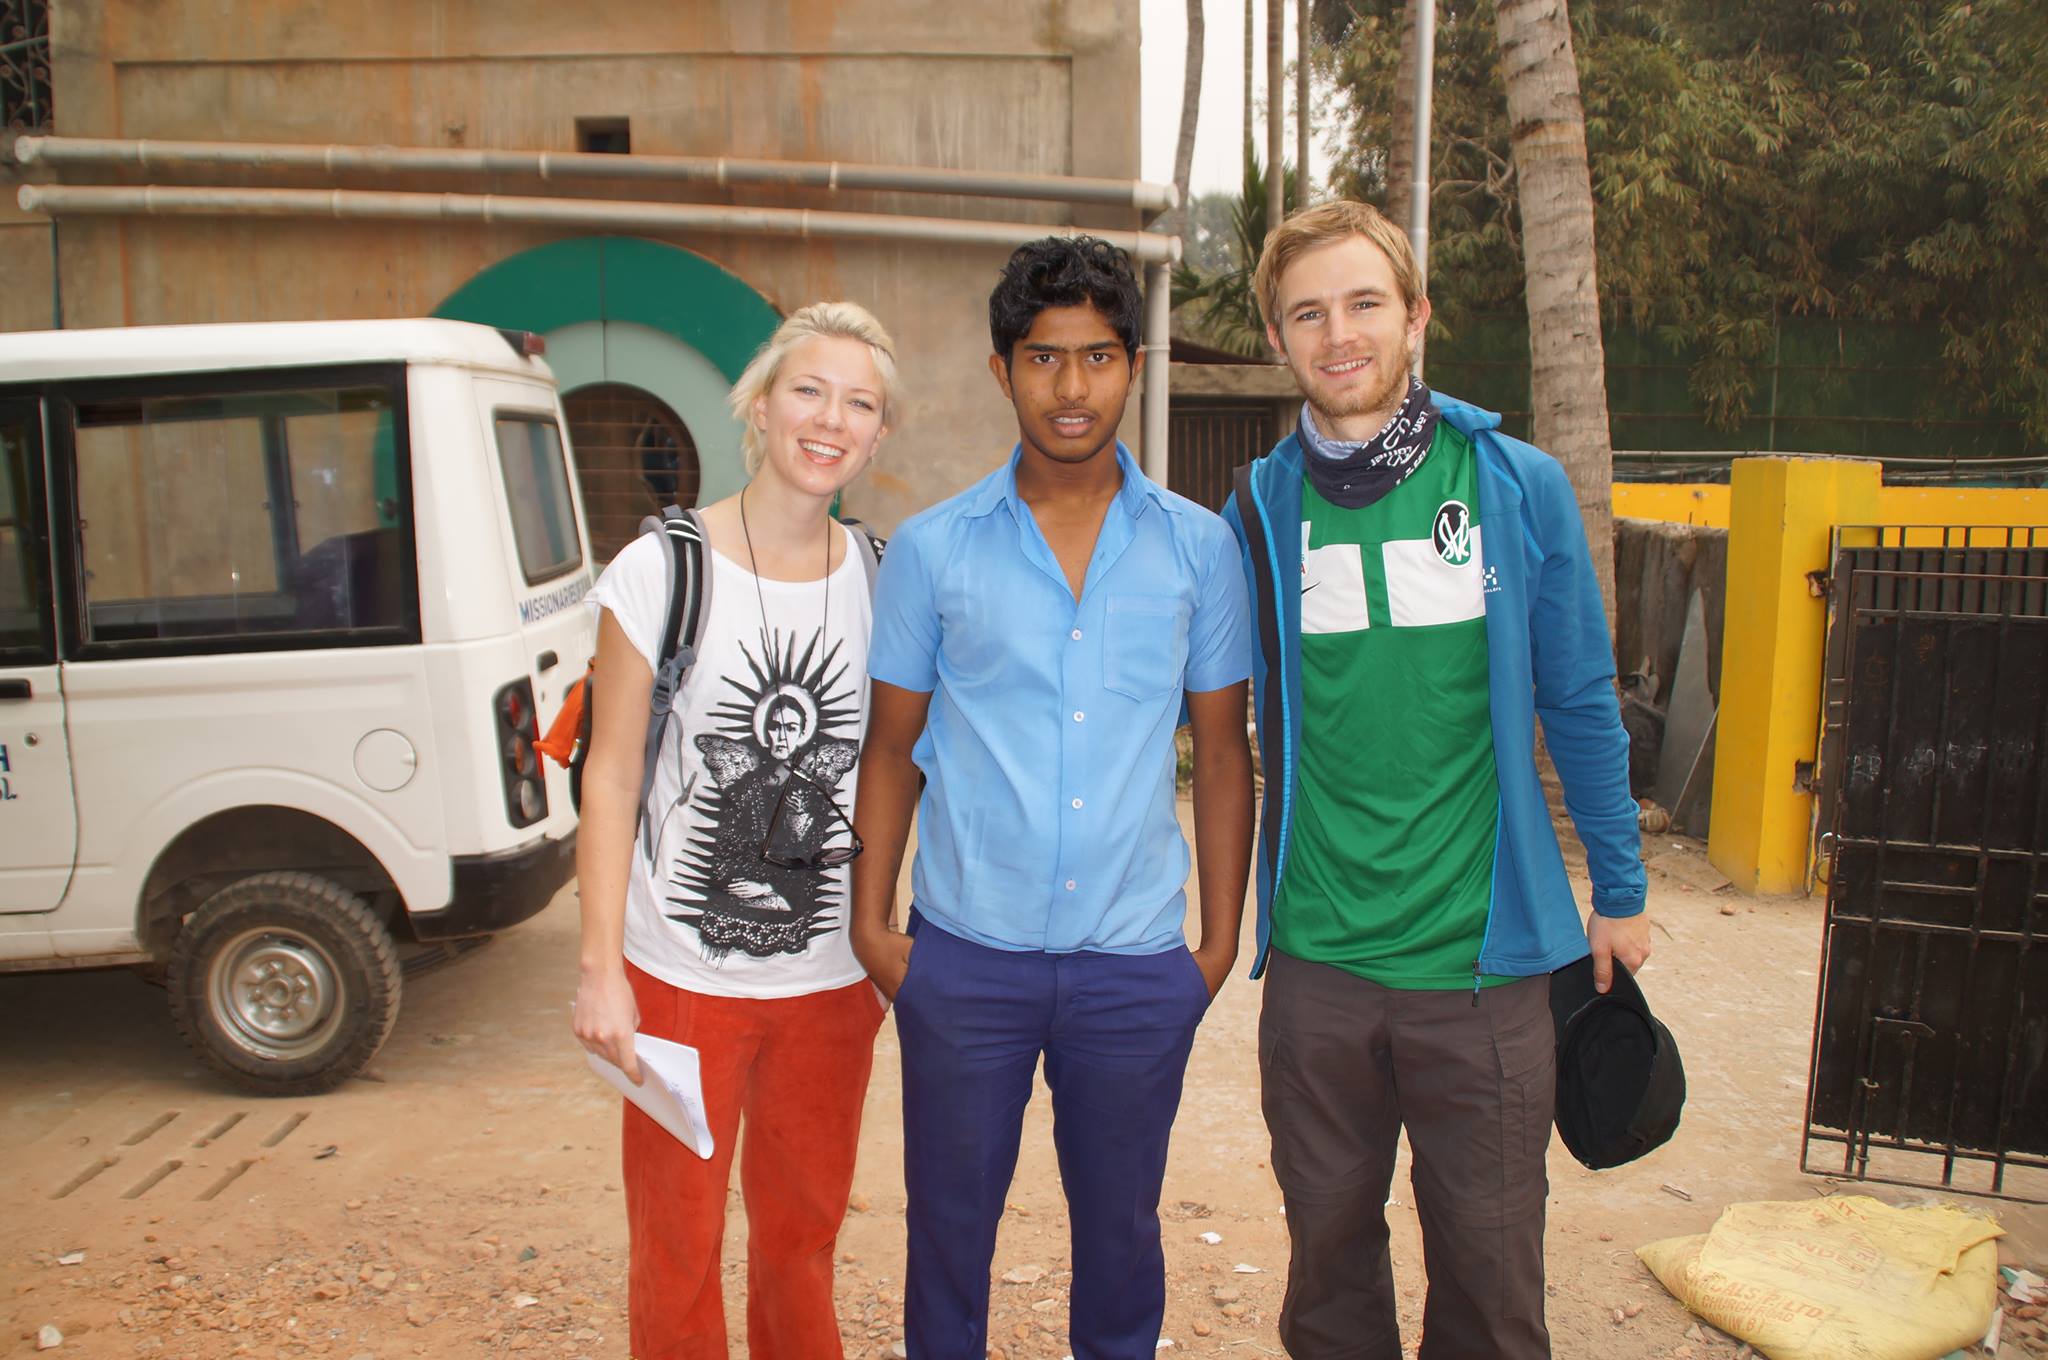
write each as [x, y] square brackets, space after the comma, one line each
[1064, 271]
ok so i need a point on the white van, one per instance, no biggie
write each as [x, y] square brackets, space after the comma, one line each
[282, 611]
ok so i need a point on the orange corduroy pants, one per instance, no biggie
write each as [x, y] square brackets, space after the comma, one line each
[796, 1070]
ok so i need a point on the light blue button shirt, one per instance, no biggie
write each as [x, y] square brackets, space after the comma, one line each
[1047, 820]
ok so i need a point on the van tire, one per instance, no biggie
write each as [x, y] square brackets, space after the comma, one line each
[285, 983]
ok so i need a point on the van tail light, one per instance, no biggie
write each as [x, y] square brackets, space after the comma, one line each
[526, 792]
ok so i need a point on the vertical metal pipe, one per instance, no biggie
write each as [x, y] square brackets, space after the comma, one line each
[1157, 346]
[1425, 67]
[1418, 198]
[56, 281]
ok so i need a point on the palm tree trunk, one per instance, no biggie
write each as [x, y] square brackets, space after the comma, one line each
[1302, 37]
[1276, 113]
[1401, 135]
[1568, 376]
[1250, 137]
[1190, 108]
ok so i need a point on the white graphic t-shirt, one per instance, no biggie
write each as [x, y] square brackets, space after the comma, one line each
[760, 748]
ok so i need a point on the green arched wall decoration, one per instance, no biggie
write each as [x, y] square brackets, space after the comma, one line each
[621, 278]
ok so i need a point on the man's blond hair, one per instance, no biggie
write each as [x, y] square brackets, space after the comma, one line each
[830, 320]
[1321, 225]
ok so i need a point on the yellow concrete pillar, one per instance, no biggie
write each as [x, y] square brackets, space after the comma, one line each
[1780, 514]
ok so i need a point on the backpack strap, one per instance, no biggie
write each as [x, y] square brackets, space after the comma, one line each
[689, 597]
[871, 545]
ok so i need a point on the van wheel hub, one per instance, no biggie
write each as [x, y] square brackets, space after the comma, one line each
[275, 993]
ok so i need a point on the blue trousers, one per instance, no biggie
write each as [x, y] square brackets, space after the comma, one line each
[1115, 1030]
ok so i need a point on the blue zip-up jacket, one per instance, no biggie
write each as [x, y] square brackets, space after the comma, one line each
[1547, 654]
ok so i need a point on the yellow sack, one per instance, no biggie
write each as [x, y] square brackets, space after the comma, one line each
[1838, 1278]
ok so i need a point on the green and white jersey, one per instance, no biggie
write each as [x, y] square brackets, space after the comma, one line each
[1390, 870]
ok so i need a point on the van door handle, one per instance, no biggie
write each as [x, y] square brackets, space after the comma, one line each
[16, 689]
[547, 661]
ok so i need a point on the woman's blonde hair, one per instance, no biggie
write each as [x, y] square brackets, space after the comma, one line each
[828, 320]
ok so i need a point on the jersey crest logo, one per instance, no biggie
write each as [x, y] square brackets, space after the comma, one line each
[1451, 532]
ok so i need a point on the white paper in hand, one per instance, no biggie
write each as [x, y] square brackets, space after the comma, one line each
[672, 1093]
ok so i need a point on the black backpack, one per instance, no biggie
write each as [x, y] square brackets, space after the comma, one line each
[689, 600]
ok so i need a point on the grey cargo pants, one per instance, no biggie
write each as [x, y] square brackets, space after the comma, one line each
[1344, 1064]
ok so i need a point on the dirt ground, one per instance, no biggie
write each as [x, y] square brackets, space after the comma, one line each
[463, 1200]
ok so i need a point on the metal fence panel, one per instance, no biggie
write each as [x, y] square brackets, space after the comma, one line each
[1932, 1020]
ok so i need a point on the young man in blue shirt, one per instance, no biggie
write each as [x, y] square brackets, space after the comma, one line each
[1034, 639]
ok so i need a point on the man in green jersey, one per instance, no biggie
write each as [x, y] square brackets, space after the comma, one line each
[1423, 594]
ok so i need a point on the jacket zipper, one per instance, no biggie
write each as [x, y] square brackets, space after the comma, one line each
[1286, 708]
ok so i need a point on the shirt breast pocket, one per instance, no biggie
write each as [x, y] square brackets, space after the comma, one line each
[1144, 645]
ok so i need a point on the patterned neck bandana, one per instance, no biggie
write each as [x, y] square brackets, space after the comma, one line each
[1354, 475]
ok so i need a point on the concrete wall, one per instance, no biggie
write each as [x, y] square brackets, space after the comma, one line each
[1034, 86]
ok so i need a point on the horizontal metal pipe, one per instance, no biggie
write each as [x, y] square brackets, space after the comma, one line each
[136, 154]
[66, 200]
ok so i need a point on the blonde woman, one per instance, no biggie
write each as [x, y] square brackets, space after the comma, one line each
[722, 924]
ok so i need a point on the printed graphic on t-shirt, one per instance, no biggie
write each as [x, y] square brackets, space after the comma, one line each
[1439, 579]
[1332, 587]
[787, 733]
[1425, 582]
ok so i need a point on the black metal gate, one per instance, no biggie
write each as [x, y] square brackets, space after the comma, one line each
[1931, 1027]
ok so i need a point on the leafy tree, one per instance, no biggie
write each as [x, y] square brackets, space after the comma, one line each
[1223, 309]
[1209, 235]
[1882, 160]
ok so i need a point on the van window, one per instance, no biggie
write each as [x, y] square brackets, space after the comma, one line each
[241, 516]
[23, 601]
[537, 489]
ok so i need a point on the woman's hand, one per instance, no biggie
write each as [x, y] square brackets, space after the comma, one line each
[606, 1017]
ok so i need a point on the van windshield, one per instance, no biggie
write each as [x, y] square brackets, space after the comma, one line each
[537, 489]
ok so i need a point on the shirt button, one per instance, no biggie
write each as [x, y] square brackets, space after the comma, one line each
[1070, 885]
[1077, 802]
[1079, 716]
[1076, 635]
